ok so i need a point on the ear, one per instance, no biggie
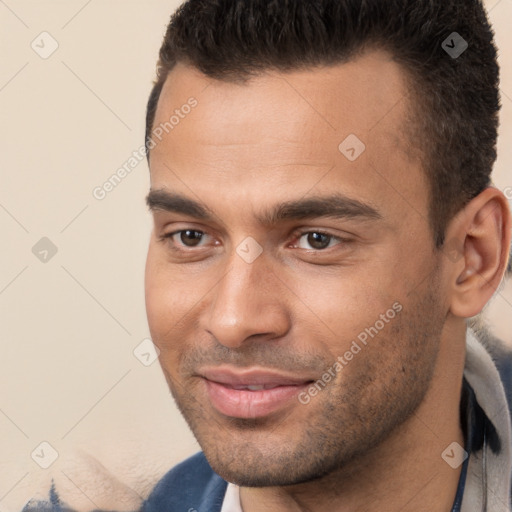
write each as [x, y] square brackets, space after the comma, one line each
[477, 246]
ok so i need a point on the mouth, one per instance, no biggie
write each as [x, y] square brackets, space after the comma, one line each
[252, 393]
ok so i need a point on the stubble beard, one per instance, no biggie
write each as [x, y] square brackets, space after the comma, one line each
[377, 392]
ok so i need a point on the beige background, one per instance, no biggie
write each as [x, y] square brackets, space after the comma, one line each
[68, 374]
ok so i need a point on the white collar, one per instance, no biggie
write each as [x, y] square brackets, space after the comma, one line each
[231, 501]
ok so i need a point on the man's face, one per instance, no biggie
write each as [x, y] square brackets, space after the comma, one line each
[298, 312]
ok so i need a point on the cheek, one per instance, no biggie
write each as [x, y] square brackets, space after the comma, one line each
[164, 316]
[162, 306]
[173, 301]
[346, 303]
[155, 310]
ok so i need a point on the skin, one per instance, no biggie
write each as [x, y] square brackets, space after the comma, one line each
[372, 438]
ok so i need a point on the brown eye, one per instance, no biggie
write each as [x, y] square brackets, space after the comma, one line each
[190, 237]
[316, 240]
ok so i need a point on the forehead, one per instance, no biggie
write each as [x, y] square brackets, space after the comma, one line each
[359, 93]
[298, 125]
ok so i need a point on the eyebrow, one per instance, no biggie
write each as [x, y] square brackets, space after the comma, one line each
[336, 206]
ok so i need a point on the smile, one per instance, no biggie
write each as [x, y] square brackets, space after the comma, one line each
[250, 394]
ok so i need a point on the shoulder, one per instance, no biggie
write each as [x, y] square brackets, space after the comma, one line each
[191, 485]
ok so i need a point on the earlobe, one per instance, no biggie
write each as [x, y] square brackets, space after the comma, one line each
[484, 226]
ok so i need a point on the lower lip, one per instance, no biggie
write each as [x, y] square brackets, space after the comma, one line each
[247, 404]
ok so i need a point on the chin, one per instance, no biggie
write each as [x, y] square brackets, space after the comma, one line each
[248, 465]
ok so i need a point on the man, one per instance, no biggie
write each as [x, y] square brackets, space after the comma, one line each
[324, 227]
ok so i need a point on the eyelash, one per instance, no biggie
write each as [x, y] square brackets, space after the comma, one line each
[296, 236]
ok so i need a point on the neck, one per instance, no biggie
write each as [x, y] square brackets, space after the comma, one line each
[406, 472]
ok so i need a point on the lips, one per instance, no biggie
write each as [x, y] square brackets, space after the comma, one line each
[251, 393]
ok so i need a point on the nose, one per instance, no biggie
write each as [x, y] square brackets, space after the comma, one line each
[248, 302]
